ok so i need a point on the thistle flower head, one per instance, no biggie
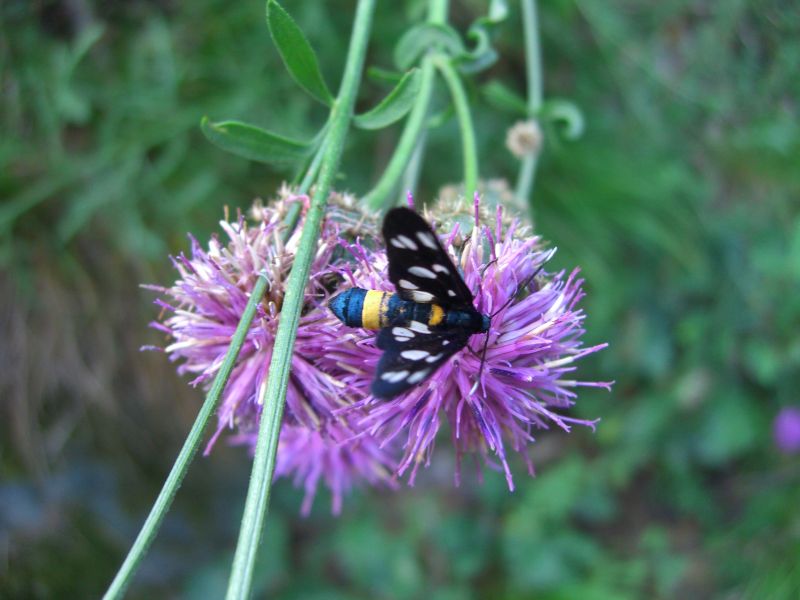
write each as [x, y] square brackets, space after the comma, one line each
[531, 351]
[203, 309]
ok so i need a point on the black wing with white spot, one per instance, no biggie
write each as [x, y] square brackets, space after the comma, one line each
[419, 267]
[412, 353]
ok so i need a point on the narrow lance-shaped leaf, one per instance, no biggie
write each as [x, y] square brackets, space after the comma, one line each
[297, 53]
[395, 105]
[254, 143]
[384, 75]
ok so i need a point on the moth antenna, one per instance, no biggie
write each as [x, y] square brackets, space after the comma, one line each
[480, 282]
[486, 339]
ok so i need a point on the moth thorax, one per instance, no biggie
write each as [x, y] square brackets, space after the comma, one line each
[470, 320]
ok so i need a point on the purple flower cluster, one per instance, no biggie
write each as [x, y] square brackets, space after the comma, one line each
[333, 430]
[532, 347]
[203, 309]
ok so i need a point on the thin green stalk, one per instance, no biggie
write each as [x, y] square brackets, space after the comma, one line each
[313, 169]
[469, 147]
[383, 192]
[381, 195]
[411, 174]
[255, 510]
[307, 168]
[533, 56]
[533, 65]
[176, 475]
[293, 214]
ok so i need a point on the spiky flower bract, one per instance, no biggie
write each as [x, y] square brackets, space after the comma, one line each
[203, 309]
[532, 348]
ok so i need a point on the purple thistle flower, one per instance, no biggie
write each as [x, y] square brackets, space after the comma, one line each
[786, 430]
[204, 308]
[533, 345]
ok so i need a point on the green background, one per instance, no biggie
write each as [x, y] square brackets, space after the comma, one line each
[680, 203]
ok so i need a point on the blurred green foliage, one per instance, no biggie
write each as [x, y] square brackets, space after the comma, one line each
[679, 203]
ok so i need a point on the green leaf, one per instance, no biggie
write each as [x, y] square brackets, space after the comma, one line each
[501, 97]
[297, 53]
[426, 36]
[379, 74]
[254, 143]
[566, 115]
[395, 105]
[483, 55]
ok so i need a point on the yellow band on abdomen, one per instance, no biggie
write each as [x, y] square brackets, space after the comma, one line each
[373, 313]
[437, 314]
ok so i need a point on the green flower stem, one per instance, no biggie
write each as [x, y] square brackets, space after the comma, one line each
[313, 168]
[469, 147]
[293, 214]
[533, 56]
[255, 510]
[176, 475]
[411, 173]
[533, 64]
[381, 195]
[310, 167]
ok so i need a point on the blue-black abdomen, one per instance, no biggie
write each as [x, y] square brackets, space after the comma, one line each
[372, 309]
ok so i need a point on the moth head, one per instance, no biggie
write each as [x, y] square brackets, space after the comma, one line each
[337, 305]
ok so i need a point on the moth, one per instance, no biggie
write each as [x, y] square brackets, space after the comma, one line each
[428, 319]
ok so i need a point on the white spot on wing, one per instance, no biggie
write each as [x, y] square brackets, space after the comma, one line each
[414, 354]
[445, 342]
[421, 296]
[434, 358]
[451, 293]
[407, 285]
[403, 241]
[440, 268]
[418, 327]
[410, 244]
[394, 376]
[418, 376]
[401, 334]
[427, 239]
[422, 272]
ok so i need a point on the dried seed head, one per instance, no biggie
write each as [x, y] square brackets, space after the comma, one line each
[525, 138]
